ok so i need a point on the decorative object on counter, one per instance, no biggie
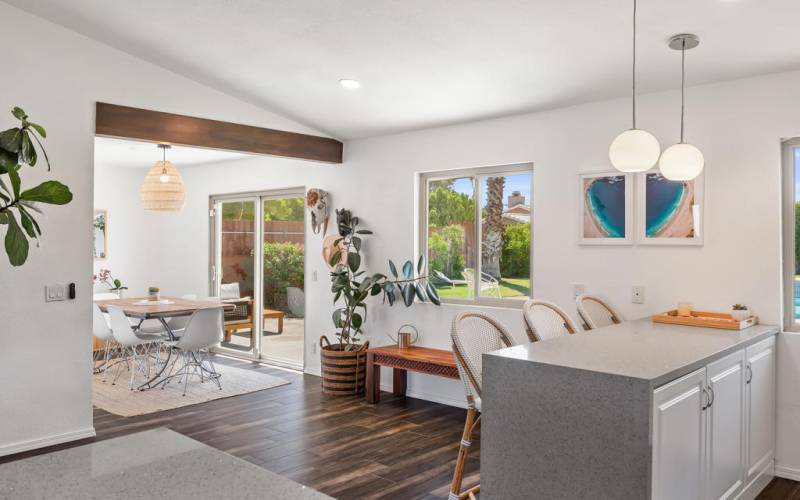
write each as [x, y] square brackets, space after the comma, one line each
[16, 150]
[606, 200]
[634, 150]
[100, 234]
[163, 189]
[682, 161]
[344, 363]
[669, 212]
[740, 312]
[706, 319]
[405, 338]
[113, 284]
[331, 244]
[318, 204]
[153, 293]
[684, 309]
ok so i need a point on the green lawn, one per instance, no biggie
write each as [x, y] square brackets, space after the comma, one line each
[509, 288]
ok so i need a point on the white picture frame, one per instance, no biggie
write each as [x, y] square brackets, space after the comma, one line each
[592, 228]
[686, 215]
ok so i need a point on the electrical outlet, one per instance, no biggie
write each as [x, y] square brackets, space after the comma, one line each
[578, 289]
[637, 295]
[55, 292]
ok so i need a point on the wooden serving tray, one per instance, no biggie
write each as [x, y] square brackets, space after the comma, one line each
[705, 319]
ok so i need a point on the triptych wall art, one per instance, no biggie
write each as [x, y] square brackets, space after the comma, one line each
[664, 213]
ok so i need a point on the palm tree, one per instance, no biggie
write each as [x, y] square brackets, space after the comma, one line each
[493, 226]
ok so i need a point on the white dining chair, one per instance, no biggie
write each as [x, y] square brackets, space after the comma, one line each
[203, 330]
[545, 320]
[596, 312]
[132, 343]
[102, 332]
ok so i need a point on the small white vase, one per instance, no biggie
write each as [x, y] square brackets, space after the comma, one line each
[740, 315]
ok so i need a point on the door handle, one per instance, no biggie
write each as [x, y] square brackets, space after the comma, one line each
[748, 374]
[713, 396]
[707, 399]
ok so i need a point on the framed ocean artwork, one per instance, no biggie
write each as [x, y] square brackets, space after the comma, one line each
[669, 212]
[606, 208]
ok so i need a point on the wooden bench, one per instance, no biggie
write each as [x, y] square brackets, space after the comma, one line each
[232, 326]
[417, 359]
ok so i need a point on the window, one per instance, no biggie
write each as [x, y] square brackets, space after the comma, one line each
[475, 229]
[791, 233]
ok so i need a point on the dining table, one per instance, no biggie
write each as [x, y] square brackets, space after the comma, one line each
[143, 308]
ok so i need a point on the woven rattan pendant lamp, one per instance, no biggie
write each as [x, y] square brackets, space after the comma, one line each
[162, 189]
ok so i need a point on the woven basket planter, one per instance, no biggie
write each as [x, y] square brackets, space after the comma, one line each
[344, 373]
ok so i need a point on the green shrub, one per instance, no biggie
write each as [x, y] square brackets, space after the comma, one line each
[515, 261]
[283, 266]
[446, 251]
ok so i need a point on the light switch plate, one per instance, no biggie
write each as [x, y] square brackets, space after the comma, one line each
[55, 292]
[637, 295]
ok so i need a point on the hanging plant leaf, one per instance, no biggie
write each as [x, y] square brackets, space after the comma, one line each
[356, 242]
[38, 128]
[337, 318]
[337, 255]
[408, 269]
[27, 223]
[419, 291]
[11, 140]
[392, 268]
[354, 261]
[27, 153]
[420, 264]
[356, 320]
[376, 289]
[16, 243]
[52, 192]
[7, 160]
[390, 297]
[433, 294]
[15, 181]
[363, 231]
[408, 294]
[19, 113]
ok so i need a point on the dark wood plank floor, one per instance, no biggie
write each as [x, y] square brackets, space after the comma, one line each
[398, 449]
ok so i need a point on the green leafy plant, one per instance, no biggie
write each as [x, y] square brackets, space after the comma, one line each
[17, 149]
[352, 286]
[105, 277]
[515, 260]
[153, 289]
[739, 307]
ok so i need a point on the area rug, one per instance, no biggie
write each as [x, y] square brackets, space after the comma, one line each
[120, 400]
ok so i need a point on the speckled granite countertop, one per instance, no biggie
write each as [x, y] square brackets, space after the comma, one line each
[639, 349]
[154, 464]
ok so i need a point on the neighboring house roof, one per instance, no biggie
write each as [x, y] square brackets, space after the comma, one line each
[518, 214]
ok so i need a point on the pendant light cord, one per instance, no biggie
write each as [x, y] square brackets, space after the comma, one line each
[683, 81]
[633, 91]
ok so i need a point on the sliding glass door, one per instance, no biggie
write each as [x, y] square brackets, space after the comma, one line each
[258, 263]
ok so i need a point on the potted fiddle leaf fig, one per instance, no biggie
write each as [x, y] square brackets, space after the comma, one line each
[18, 205]
[344, 362]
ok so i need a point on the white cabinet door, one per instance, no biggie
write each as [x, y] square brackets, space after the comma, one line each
[760, 406]
[679, 428]
[725, 413]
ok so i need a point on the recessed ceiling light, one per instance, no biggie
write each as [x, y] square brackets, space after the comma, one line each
[349, 83]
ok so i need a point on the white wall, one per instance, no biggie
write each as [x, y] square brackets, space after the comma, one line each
[58, 76]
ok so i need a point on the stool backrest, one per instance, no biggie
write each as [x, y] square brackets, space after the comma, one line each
[545, 320]
[596, 313]
[473, 334]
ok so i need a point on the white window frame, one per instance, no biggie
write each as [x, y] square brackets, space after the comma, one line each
[497, 170]
[788, 215]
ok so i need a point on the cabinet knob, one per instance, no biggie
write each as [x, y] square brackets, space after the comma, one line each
[748, 374]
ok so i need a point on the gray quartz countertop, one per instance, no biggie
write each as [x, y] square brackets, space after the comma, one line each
[638, 349]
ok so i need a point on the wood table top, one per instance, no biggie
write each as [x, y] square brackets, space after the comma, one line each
[438, 357]
[179, 307]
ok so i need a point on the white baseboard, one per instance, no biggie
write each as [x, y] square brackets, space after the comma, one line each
[33, 444]
[787, 472]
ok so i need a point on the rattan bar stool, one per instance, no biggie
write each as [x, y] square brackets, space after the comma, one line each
[596, 313]
[473, 334]
[545, 320]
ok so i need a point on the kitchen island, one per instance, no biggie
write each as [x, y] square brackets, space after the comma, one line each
[631, 411]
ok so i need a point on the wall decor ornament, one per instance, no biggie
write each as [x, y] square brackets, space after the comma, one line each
[669, 212]
[100, 234]
[606, 208]
[318, 204]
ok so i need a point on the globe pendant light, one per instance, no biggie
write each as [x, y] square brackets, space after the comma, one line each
[634, 150]
[163, 188]
[682, 161]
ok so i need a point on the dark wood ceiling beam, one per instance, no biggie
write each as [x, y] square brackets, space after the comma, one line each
[155, 126]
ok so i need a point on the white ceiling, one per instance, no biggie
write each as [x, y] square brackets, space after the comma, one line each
[424, 63]
[116, 153]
